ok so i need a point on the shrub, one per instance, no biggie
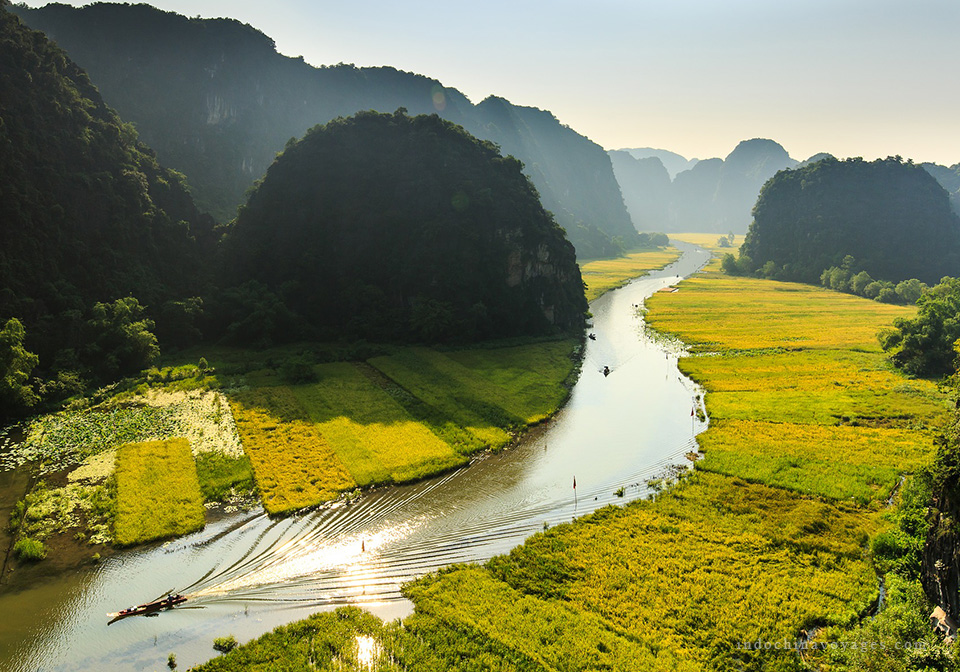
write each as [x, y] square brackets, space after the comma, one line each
[30, 550]
[297, 371]
[225, 644]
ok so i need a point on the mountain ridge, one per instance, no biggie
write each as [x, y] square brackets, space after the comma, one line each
[219, 112]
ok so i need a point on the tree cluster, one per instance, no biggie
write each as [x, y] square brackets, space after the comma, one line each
[926, 344]
[88, 216]
[846, 278]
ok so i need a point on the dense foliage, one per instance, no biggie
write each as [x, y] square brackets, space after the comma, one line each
[925, 344]
[846, 278]
[88, 214]
[891, 215]
[217, 102]
[384, 226]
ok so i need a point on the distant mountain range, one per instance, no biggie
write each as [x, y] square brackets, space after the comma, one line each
[664, 191]
[217, 102]
[673, 162]
[713, 195]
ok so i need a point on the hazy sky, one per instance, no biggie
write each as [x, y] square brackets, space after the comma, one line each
[867, 78]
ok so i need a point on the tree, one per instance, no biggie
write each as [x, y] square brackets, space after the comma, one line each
[924, 346]
[16, 365]
[119, 340]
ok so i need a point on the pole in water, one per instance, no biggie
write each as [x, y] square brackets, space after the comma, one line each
[574, 492]
[363, 546]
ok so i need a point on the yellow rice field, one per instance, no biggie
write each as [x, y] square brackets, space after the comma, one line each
[294, 465]
[602, 275]
[709, 241]
[158, 494]
[719, 312]
[374, 437]
[421, 413]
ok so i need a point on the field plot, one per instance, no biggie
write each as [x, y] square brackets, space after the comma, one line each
[602, 275]
[461, 396]
[158, 494]
[400, 417]
[294, 465]
[814, 386]
[709, 241]
[718, 312]
[798, 391]
[528, 379]
[374, 437]
[836, 462]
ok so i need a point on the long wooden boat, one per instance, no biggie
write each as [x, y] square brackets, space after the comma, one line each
[148, 608]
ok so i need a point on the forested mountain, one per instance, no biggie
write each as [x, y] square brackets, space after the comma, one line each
[891, 216]
[384, 226]
[87, 214]
[714, 195]
[949, 179]
[217, 102]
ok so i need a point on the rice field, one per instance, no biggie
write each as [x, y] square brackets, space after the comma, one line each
[814, 386]
[602, 275]
[374, 437]
[295, 466]
[469, 401]
[158, 494]
[809, 404]
[709, 241]
[837, 462]
[713, 311]
[400, 417]
[712, 562]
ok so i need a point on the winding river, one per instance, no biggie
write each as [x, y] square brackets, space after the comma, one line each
[246, 573]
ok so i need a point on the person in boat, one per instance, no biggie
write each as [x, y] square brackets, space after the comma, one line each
[606, 370]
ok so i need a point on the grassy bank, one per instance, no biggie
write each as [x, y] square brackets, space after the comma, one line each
[603, 275]
[768, 537]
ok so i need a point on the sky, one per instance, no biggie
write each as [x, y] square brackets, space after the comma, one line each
[870, 78]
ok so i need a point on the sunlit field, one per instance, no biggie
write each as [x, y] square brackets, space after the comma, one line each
[814, 386]
[822, 412]
[602, 275]
[400, 417]
[468, 400]
[718, 312]
[836, 462]
[294, 465]
[158, 495]
[374, 437]
[710, 241]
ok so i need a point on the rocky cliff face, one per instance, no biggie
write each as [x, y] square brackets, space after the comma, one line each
[941, 555]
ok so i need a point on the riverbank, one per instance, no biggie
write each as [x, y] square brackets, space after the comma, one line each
[604, 275]
[752, 546]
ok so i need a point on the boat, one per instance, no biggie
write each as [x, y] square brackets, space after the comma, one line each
[148, 608]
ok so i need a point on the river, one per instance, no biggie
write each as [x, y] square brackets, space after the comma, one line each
[246, 573]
